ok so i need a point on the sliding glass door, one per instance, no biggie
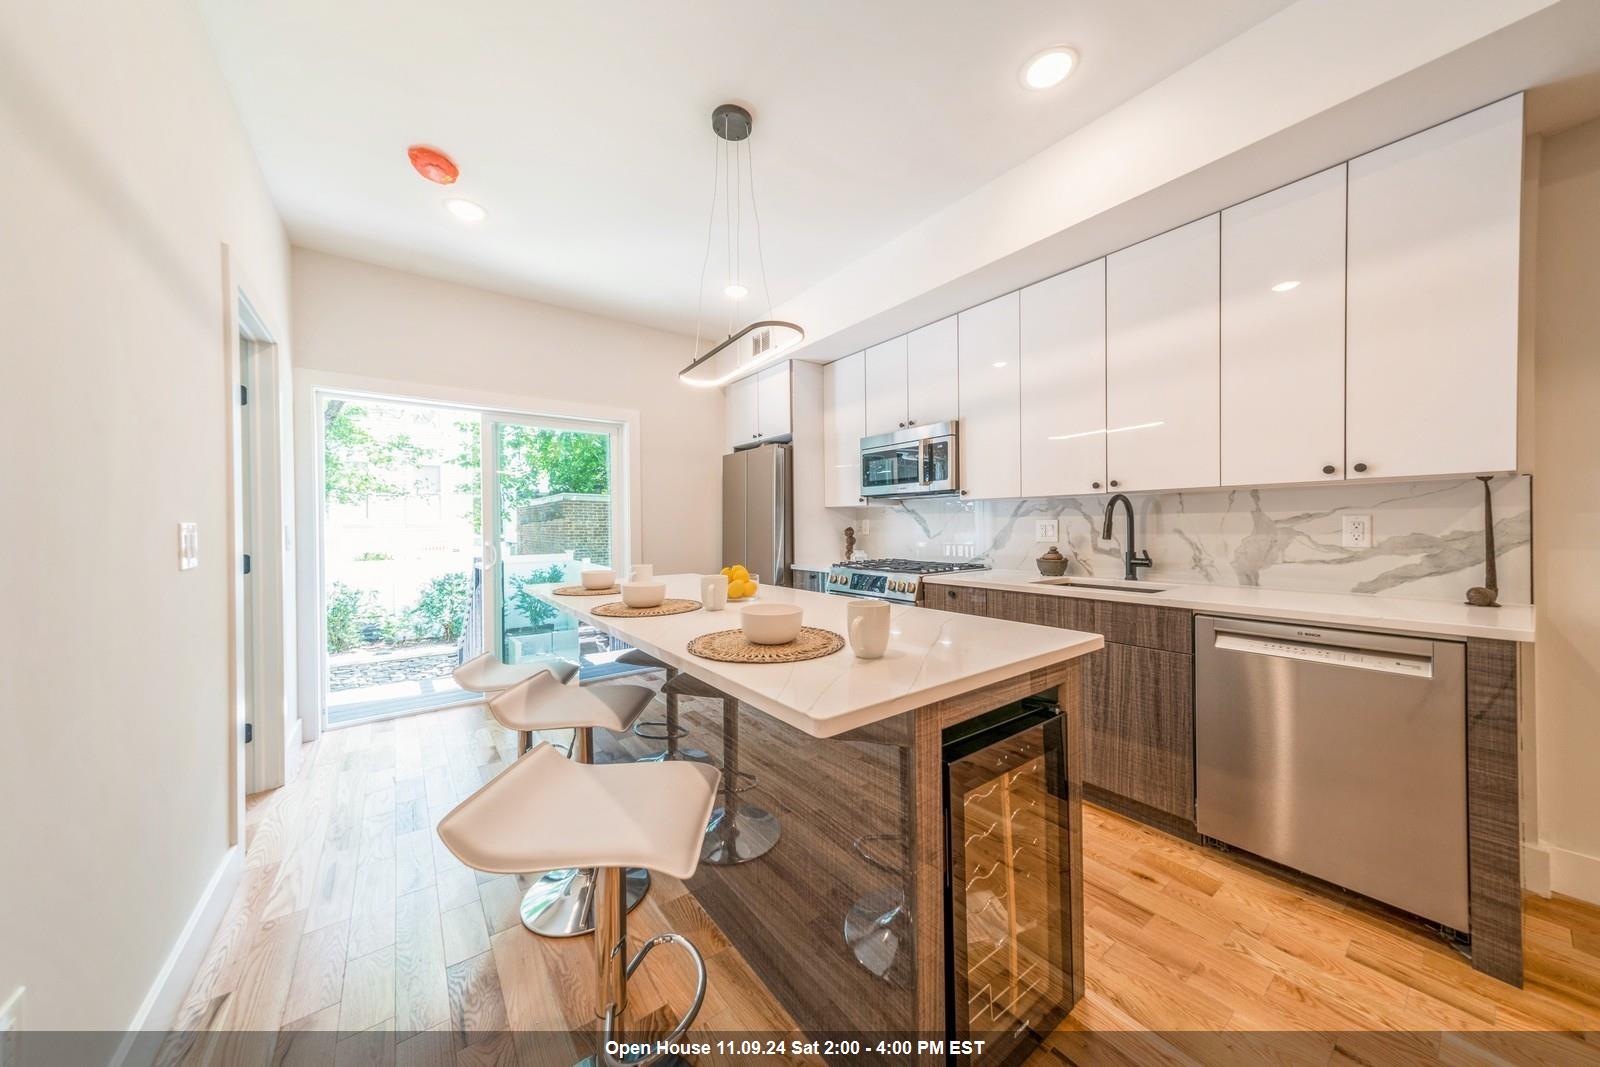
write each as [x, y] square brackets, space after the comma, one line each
[550, 506]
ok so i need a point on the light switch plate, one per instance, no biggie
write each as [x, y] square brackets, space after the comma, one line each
[188, 546]
[1358, 531]
[1045, 530]
[10, 1055]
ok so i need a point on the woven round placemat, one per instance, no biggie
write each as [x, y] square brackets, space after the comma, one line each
[731, 646]
[666, 607]
[578, 590]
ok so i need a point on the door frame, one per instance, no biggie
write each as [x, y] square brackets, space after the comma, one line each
[253, 357]
[311, 638]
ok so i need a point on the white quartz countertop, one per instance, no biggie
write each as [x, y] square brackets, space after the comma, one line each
[1356, 610]
[932, 655]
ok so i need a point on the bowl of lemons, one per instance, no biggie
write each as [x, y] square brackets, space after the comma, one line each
[742, 585]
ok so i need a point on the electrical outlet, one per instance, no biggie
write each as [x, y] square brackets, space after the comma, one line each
[10, 1053]
[1358, 531]
[1045, 530]
[188, 546]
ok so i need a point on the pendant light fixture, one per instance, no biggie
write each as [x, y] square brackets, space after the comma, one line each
[753, 344]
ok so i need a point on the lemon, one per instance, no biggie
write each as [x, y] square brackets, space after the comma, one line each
[727, 572]
[738, 571]
[747, 588]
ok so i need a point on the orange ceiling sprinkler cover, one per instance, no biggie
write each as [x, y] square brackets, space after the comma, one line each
[433, 164]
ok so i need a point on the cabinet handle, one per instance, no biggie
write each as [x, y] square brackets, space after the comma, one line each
[1328, 468]
[1114, 483]
[911, 422]
[902, 425]
[1094, 485]
[1360, 468]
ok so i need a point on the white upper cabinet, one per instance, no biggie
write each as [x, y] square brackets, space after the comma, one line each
[1063, 383]
[1433, 273]
[931, 394]
[773, 417]
[886, 386]
[987, 364]
[740, 404]
[843, 427]
[1283, 334]
[1161, 361]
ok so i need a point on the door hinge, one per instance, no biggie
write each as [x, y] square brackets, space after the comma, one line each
[247, 563]
[249, 732]
[244, 394]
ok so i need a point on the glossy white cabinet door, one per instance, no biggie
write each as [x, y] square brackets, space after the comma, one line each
[1161, 361]
[987, 358]
[1063, 381]
[843, 426]
[1283, 334]
[772, 401]
[1432, 359]
[886, 386]
[931, 392]
[741, 408]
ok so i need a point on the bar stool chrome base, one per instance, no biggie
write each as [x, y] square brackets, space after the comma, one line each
[691, 755]
[561, 903]
[874, 927]
[749, 834]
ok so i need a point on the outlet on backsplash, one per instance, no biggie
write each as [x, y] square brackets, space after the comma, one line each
[1046, 530]
[960, 551]
[1357, 531]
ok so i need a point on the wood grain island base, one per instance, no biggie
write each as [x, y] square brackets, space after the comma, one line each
[926, 880]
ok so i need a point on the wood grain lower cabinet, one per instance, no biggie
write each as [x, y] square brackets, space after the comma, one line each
[1139, 727]
[1138, 693]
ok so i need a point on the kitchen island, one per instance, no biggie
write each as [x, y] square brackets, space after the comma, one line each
[926, 882]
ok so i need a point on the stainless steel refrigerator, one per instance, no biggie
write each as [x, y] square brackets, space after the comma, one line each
[758, 511]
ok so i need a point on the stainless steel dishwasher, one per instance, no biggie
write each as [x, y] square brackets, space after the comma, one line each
[1339, 753]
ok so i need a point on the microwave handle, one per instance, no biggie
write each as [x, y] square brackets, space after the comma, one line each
[922, 461]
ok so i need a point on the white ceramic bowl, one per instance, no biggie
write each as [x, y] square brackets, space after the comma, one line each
[643, 594]
[770, 624]
[599, 578]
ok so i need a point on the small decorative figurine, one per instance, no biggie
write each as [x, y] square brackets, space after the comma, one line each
[849, 542]
[1052, 564]
[1486, 595]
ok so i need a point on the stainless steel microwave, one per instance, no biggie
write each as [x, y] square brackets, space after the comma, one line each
[915, 461]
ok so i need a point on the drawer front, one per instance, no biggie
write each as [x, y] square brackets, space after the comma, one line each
[1167, 629]
[962, 598]
[1035, 608]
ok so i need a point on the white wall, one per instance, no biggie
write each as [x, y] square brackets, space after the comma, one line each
[356, 319]
[1566, 490]
[125, 173]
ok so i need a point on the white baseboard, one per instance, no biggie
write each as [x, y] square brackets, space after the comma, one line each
[1550, 869]
[177, 974]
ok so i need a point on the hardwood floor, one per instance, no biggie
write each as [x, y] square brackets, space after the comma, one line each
[356, 937]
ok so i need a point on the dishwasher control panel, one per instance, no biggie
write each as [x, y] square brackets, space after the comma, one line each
[1333, 655]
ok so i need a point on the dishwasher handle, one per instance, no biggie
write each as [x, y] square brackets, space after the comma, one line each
[1305, 633]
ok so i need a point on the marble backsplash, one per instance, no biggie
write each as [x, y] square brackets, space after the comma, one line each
[1427, 537]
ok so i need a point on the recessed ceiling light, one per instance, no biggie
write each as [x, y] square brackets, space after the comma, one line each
[465, 210]
[1002, 363]
[1049, 68]
[735, 292]
[1284, 287]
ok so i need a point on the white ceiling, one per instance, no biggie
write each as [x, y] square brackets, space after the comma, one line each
[584, 128]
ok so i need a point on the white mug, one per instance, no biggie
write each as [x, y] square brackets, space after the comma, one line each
[869, 628]
[641, 572]
[714, 591]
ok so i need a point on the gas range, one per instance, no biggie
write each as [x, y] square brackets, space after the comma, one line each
[888, 579]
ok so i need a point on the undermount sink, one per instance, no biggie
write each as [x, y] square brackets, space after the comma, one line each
[1116, 584]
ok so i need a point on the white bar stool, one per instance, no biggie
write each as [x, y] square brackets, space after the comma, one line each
[613, 817]
[665, 729]
[488, 674]
[738, 832]
[561, 902]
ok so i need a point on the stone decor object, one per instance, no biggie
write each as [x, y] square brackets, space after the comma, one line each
[1052, 564]
[849, 542]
